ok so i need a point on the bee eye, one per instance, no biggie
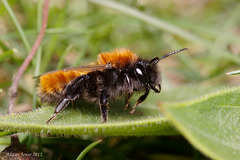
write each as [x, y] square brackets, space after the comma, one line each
[141, 74]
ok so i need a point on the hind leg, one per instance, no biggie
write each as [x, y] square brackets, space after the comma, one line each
[61, 106]
[72, 91]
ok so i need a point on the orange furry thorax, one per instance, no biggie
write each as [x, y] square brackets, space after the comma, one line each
[117, 58]
[56, 81]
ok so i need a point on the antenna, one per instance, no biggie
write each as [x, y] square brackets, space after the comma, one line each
[171, 53]
[154, 61]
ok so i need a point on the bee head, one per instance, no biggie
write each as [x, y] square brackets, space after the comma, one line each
[147, 72]
[148, 75]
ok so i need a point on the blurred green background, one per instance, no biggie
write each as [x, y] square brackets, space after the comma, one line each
[78, 31]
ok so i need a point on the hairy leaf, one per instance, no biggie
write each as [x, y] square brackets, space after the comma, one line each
[211, 123]
[85, 120]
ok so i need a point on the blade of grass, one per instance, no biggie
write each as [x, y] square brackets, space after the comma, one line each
[36, 73]
[206, 29]
[88, 148]
[17, 25]
[149, 19]
[61, 61]
[49, 32]
[165, 26]
[39, 51]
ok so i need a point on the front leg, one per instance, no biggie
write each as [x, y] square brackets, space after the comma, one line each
[104, 106]
[140, 100]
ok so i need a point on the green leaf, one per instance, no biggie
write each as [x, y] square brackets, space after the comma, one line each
[85, 120]
[211, 123]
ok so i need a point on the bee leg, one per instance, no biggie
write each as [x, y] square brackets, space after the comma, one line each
[61, 106]
[140, 100]
[127, 101]
[71, 93]
[104, 106]
[74, 90]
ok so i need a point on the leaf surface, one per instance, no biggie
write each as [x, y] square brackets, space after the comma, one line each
[85, 120]
[211, 123]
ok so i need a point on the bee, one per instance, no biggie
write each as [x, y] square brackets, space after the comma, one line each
[115, 74]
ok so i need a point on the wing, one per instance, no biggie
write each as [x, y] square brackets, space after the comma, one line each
[55, 81]
[81, 69]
